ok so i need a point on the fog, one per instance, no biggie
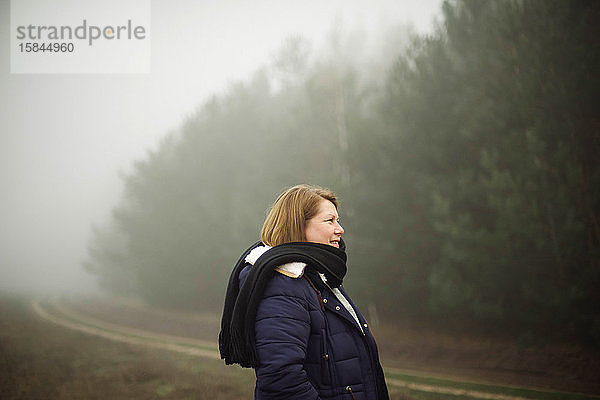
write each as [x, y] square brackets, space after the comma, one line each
[461, 141]
[65, 139]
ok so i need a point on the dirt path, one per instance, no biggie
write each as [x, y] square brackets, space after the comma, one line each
[73, 320]
[451, 391]
[64, 316]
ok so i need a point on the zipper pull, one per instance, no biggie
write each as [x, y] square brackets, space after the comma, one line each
[349, 389]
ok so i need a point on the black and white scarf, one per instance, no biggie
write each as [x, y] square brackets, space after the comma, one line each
[237, 337]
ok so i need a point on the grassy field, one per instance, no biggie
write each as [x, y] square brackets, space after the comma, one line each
[42, 360]
[485, 389]
[39, 360]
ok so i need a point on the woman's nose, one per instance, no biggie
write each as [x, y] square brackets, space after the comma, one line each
[339, 229]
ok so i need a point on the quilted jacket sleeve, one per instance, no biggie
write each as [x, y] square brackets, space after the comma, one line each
[282, 334]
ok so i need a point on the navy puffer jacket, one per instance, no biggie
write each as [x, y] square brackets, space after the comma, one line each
[311, 348]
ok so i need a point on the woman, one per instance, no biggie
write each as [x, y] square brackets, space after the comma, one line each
[287, 315]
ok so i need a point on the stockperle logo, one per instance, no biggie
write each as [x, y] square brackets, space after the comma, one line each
[80, 36]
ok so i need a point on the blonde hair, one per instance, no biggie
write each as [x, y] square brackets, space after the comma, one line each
[287, 217]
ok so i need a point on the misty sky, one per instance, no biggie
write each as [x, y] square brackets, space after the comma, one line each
[65, 138]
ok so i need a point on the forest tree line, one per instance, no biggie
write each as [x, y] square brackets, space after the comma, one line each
[466, 161]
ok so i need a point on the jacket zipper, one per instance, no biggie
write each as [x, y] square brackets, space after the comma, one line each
[357, 322]
[349, 389]
[326, 356]
[318, 293]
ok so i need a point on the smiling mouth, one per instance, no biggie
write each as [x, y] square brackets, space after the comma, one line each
[335, 243]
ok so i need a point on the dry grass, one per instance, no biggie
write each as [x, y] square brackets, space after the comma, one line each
[41, 361]
[492, 359]
[482, 358]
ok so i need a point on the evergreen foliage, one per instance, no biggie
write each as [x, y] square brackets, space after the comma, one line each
[469, 174]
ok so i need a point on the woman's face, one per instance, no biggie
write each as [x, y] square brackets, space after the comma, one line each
[325, 226]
